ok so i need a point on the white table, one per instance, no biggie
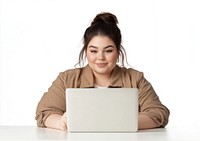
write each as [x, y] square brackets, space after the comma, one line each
[162, 134]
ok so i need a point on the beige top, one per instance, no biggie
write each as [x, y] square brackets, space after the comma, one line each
[54, 101]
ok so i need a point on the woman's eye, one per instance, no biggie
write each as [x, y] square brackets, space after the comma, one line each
[108, 51]
[93, 51]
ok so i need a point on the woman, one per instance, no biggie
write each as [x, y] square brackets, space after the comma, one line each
[104, 53]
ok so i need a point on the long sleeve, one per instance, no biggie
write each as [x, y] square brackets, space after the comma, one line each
[150, 104]
[52, 102]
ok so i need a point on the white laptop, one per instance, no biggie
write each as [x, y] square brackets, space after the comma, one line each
[102, 110]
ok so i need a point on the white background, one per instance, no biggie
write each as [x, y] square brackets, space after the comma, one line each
[40, 38]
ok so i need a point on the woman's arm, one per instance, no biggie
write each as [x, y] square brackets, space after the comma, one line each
[145, 122]
[52, 102]
[152, 113]
[57, 121]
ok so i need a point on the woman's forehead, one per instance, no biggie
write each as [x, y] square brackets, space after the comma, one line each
[101, 42]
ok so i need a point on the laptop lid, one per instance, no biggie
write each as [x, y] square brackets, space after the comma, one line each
[102, 110]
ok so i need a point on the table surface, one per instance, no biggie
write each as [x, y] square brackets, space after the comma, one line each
[159, 134]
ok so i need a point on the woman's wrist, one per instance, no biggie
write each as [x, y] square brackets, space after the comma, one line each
[54, 121]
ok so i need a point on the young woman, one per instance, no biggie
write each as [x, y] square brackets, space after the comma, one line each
[106, 57]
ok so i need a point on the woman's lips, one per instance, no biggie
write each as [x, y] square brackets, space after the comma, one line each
[101, 64]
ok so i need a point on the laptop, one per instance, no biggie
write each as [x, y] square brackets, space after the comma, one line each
[102, 110]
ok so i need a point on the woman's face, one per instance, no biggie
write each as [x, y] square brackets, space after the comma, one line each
[102, 55]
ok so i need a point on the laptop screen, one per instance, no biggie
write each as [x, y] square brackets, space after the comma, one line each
[102, 110]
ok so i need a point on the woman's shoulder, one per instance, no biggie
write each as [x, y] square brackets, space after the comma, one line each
[131, 71]
[74, 72]
[70, 72]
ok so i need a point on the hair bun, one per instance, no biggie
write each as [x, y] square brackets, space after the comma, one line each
[105, 17]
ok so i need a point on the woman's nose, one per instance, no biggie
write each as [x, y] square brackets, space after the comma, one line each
[101, 56]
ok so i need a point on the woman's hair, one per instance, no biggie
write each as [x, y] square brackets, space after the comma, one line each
[104, 24]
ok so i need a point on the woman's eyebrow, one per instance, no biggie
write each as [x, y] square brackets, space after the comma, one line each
[104, 47]
[92, 46]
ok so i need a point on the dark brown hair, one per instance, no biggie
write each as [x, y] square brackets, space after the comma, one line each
[104, 24]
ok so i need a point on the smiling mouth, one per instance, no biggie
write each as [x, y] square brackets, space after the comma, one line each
[101, 64]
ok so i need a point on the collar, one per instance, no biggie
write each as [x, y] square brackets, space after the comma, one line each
[87, 78]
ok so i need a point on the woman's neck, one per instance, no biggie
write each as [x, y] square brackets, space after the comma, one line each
[102, 80]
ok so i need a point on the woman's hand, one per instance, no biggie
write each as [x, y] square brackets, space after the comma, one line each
[57, 121]
[63, 122]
